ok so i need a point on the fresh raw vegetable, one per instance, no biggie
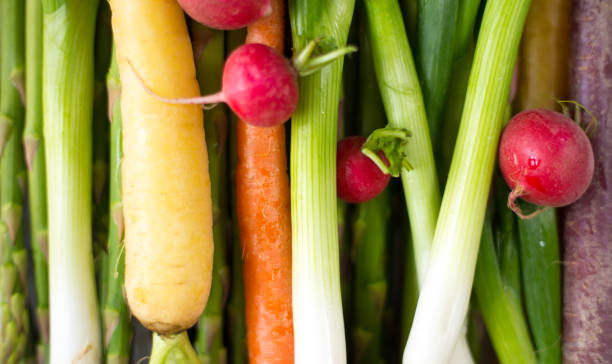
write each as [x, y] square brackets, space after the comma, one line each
[259, 85]
[587, 286]
[317, 310]
[501, 306]
[264, 213]
[401, 95]
[15, 333]
[370, 229]
[545, 158]
[116, 314]
[68, 80]
[226, 14]
[209, 53]
[436, 24]
[445, 293]
[541, 82]
[358, 178]
[166, 186]
[235, 306]
[37, 186]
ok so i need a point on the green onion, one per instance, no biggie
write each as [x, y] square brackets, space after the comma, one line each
[37, 186]
[436, 32]
[68, 78]
[445, 295]
[15, 333]
[209, 66]
[541, 273]
[116, 314]
[317, 308]
[501, 306]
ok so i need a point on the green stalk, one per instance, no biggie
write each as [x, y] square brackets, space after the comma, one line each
[501, 306]
[317, 308]
[235, 307]
[68, 82]
[436, 31]
[541, 273]
[116, 314]
[506, 237]
[173, 349]
[401, 94]
[209, 62]
[37, 185]
[445, 295]
[100, 154]
[15, 325]
[370, 234]
[463, 54]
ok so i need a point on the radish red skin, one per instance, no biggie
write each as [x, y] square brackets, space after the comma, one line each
[260, 85]
[226, 14]
[358, 178]
[547, 157]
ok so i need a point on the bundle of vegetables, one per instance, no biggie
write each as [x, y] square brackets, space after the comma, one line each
[188, 223]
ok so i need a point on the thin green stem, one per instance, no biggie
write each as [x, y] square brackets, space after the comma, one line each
[116, 314]
[68, 82]
[317, 308]
[209, 65]
[35, 158]
[370, 235]
[436, 33]
[501, 306]
[236, 312]
[15, 332]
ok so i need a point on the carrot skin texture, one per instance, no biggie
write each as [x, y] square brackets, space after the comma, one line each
[587, 287]
[263, 204]
[166, 186]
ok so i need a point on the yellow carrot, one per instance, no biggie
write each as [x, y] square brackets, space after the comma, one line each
[166, 186]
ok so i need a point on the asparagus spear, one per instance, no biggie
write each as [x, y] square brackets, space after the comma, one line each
[15, 325]
[236, 311]
[37, 186]
[208, 45]
[100, 149]
[116, 314]
[369, 229]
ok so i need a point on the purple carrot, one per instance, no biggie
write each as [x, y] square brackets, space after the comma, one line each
[587, 238]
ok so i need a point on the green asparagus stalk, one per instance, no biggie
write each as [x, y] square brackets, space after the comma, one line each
[317, 309]
[209, 52]
[100, 154]
[15, 324]
[369, 229]
[68, 85]
[116, 314]
[236, 312]
[501, 306]
[37, 186]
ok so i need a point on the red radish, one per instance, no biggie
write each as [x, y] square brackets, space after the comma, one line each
[259, 85]
[226, 14]
[545, 158]
[358, 178]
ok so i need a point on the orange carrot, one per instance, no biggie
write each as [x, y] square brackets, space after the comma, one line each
[265, 222]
